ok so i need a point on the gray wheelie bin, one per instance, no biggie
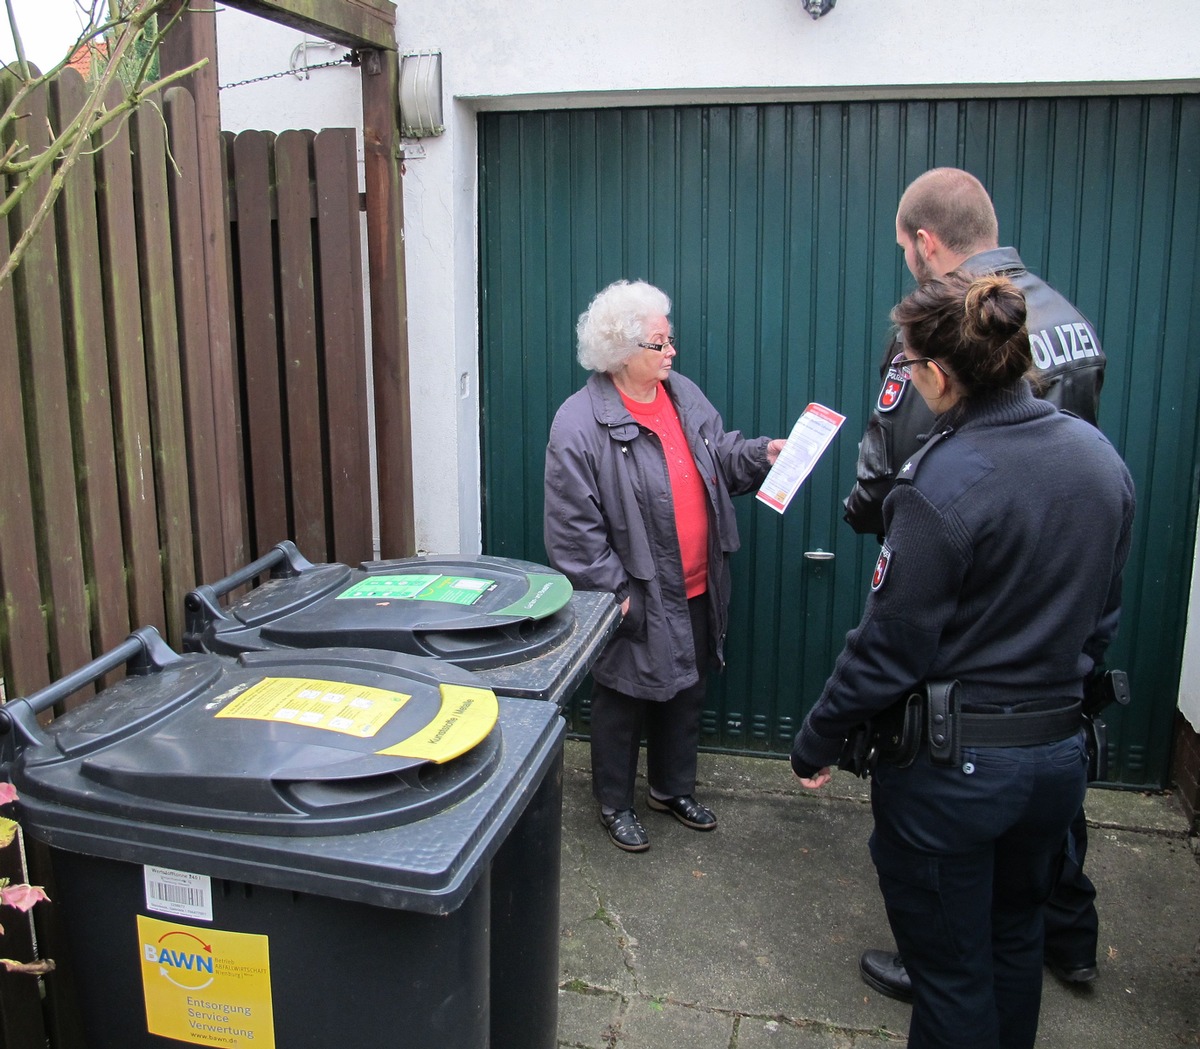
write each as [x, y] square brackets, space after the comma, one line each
[293, 848]
[519, 625]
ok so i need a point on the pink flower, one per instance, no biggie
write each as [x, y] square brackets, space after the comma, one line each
[22, 896]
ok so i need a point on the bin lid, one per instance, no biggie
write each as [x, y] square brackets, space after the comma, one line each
[488, 614]
[283, 743]
[188, 767]
[478, 611]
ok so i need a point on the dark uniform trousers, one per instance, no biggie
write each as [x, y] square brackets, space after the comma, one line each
[966, 856]
[1072, 925]
[672, 730]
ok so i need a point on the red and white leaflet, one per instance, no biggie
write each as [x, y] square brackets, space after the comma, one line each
[805, 445]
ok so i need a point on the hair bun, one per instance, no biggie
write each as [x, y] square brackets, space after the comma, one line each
[993, 310]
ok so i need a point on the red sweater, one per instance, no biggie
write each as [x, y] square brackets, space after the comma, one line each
[687, 489]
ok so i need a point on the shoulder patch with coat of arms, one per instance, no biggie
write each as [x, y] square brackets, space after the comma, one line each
[881, 568]
[892, 390]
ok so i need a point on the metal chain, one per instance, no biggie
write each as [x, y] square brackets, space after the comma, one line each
[349, 59]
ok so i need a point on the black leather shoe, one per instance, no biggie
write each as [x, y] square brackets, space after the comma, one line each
[884, 970]
[687, 810]
[626, 830]
[1072, 973]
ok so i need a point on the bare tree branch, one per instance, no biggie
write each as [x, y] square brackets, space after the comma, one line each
[92, 31]
[17, 42]
[27, 173]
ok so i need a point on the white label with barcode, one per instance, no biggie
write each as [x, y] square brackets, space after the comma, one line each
[179, 893]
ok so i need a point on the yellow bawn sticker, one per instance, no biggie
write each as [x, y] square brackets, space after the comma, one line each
[206, 986]
[466, 717]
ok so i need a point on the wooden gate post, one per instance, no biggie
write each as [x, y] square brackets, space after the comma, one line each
[389, 301]
[192, 38]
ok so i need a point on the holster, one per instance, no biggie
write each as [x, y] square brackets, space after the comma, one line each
[1097, 747]
[892, 736]
[1101, 690]
[1111, 686]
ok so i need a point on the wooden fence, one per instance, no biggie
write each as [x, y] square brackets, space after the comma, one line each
[298, 296]
[106, 447]
[115, 499]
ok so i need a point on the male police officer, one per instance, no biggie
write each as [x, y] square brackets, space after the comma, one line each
[946, 221]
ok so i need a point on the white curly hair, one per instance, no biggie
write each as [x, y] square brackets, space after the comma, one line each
[610, 329]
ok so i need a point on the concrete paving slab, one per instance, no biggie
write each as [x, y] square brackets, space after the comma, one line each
[653, 1023]
[1148, 896]
[588, 1019]
[748, 937]
[756, 1033]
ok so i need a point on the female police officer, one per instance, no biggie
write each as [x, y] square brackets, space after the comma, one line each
[1006, 536]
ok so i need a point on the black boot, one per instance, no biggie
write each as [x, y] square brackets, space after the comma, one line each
[1072, 972]
[884, 970]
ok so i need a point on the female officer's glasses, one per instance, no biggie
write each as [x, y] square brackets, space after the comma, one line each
[900, 361]
[658, 347]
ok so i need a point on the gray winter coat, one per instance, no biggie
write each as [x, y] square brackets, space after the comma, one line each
[610, 525]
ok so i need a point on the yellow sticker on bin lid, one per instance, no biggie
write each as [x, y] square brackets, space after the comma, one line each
[466, 717]
[335, 706]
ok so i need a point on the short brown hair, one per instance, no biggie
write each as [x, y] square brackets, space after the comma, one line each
[952, 204]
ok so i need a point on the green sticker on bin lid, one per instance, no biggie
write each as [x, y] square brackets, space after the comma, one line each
[448, 589]
[545, 594]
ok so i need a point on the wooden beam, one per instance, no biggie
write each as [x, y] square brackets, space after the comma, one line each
[354, 23]
[194, 37]
[389, 302]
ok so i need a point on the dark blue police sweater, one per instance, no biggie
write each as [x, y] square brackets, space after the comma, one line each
[1002, 569]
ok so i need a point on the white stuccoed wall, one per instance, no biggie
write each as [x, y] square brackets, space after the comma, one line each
[498, 54]
[1189, 676]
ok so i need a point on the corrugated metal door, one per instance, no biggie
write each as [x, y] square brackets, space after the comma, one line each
[772, 228]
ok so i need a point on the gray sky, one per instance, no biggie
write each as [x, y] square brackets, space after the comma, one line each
[47, 27]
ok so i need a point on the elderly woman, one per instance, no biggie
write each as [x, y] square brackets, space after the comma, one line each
[996, 594]
[639, 474]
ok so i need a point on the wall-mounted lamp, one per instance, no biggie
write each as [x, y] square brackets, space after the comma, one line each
[817, 8]
[421, 94]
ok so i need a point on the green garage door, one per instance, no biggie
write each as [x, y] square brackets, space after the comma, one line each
[772, 228]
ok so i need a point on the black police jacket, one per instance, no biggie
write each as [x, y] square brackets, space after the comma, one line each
[1070, 371]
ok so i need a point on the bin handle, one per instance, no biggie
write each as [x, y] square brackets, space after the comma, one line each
[142, 652]
[202, 605]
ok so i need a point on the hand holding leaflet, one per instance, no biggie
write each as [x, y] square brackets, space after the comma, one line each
[805, 445]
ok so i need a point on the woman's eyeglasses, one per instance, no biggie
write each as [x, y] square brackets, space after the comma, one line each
[658, 347]
[900, 361]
